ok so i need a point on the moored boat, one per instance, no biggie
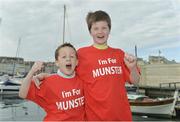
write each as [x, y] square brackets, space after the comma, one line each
[141, 104]
[9, 85]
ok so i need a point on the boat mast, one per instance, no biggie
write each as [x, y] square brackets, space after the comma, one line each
[136, 51]
[64, 22]
[17, 52]
[137, 90]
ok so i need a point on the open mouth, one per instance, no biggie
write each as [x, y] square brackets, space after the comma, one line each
[100, 37]
[68, 66]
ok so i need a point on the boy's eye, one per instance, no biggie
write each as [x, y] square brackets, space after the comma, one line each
[95, 28]
[72, 56]
[104, 28]
[63, 56]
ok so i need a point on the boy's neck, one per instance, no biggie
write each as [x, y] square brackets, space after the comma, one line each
[65, 76]
[100, 46]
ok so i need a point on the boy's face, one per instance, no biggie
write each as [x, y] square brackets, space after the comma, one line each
[100, 32]
[67, 60]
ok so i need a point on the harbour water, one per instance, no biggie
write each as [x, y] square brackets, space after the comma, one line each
[12, 108]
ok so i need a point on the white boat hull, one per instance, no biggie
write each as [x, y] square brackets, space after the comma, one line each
[154, 110]
[164, 106]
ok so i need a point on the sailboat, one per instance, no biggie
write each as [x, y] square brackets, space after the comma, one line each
[8, 84]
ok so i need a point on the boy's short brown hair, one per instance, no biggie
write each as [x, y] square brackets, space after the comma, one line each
[64, 45]
[97, 16]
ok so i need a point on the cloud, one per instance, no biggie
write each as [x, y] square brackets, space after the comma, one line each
[149, 24]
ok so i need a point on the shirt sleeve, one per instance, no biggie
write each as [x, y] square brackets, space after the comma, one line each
[32, 92]
[37, 95]
[126, 73]
[79, 69]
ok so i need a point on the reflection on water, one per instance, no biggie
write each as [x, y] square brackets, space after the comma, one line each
[14, 108]
[10, 99]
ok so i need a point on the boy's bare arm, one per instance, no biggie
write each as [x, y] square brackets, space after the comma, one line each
[131, 63]
[38, 79]
[27, 80]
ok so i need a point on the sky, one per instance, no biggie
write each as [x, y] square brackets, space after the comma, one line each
[152, 25]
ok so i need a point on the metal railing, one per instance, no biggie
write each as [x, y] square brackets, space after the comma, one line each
[170, 84]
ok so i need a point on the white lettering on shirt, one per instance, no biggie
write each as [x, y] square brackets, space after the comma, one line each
[72, 103]
[107, 70]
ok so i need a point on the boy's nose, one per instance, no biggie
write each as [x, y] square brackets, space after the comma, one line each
[100, 31]
[68, 59]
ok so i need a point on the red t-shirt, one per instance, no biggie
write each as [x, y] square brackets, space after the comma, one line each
[104, 74]
[61, 98]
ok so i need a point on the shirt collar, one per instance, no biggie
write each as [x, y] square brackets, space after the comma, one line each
[65, 76]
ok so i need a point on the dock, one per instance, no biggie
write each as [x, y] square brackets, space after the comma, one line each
[161, 90]
[9, 89]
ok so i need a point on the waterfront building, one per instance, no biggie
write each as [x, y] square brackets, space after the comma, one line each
[14, 65]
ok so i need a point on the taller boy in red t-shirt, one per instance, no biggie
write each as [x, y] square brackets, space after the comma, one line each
[104, 71]
[61, 95]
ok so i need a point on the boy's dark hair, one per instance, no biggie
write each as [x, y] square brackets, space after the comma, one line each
[64, 45]
[97, 16]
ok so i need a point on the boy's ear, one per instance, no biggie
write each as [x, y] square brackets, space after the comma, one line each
[56, 63]
[90, 33]
[77, 61]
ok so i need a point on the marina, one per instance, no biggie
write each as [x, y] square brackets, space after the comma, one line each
[12, 108]
[147, 103]
[156, 103]
[153, 33]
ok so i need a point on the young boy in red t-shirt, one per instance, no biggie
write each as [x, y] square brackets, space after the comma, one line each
[61, 95]
[104, 71]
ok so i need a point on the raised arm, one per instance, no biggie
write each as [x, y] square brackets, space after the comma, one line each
[27, 80]
[38, 79]
[131, 63]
